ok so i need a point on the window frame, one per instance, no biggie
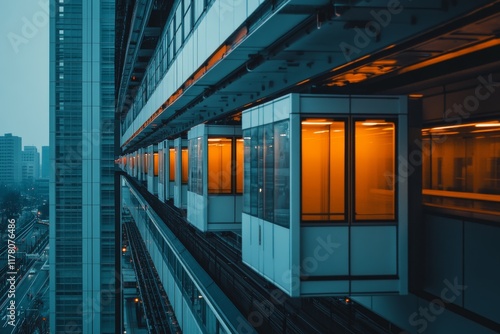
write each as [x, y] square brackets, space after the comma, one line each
[456, 202]
[352, 135]
[233, 169]
[349, 169]
[333, 118]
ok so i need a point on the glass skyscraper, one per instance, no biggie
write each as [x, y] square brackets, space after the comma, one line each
[83, 271]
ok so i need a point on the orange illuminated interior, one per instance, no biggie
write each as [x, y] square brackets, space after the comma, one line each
[323, 163]
[323, 175]
[219, 165]
[184, 166]
[155, 164]
[172, 165]
[453, 54]
[461, 166]
[374, 170]
[239, 165]
[217, 56]
[303, 82]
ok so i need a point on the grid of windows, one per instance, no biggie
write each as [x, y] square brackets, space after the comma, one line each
[196, 166]
[185, 16]
[75, 63]
[10, 159]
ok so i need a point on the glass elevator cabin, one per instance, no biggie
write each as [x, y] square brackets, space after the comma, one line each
[324, 207]
[215, 177]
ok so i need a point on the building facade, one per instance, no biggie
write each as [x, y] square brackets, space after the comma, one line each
[370, 169]
[30, 164]
[10, 159]
[83, 272]
[45, 165]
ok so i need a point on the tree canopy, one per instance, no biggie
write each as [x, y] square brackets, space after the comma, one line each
[11, 202]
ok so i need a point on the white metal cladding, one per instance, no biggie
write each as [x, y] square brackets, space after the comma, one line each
[213, 212]
[309, 259]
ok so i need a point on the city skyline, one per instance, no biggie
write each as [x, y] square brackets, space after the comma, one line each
[24, 44]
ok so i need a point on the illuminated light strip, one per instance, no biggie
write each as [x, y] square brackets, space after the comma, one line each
[349, 63]
[485, 130]
[239, 37]
[444, 133]
[217, 56]
[302, 82]
[451, 55]
[316, 123]
[464, 195]
[478, 125]
[484, 125]
[374, 123]
[385, 62]
[448, 127]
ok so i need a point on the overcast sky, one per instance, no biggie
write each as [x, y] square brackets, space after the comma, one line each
[24, 61]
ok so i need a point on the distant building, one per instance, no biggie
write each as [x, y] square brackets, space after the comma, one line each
[10, 159]
[45, 171]
[30, 164]
[42, 188]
